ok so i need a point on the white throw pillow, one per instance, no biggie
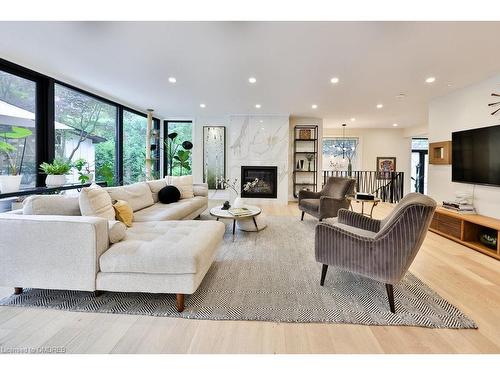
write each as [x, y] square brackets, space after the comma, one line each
[116, 231]
[183, 183]
[51, 205]
[95, 201]
[156, 186]
[137, 195]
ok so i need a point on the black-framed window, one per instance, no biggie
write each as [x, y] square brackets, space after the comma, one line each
[56, 115]
[18, 128]
[184, 130]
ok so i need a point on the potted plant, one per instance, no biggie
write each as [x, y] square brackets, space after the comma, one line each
[13, 146]
[176, 157]
[56, 172]
[84, 173]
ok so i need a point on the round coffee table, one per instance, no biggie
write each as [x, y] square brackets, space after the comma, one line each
[219, 213]
[373, 201]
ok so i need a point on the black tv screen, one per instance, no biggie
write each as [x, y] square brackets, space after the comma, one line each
[475, 156]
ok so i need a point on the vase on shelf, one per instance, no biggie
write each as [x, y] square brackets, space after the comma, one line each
[297, 167]
[302, 165]
[309, 167]
[349, 169]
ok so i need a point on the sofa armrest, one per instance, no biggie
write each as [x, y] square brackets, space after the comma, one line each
[358, 220]
[200, 190]
[306, 194]
[329, 206]
[51, 252]
[338, 246]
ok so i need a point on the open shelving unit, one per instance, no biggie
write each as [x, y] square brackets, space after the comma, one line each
[305, 174]
[466, 229]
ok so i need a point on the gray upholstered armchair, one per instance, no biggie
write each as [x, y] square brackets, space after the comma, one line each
[327, 202]
[381, 250]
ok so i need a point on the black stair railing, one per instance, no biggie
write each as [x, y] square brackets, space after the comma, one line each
[388, 186]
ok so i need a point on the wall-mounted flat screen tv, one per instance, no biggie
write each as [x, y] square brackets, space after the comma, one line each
[475, 156]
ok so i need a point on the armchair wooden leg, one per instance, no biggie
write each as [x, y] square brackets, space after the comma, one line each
[323, 274]
[390, 294]
[320, 219]
[179, 303]
[18, 290]
[302, 217]
[97, 293]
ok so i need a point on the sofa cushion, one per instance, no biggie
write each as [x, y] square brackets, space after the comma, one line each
[173, 247]
[52, 205]
[124, 212]
[173, 211]
[183, 183]
[137, 195]
[169, 194]
[155, 186]
[116, 231]
[95, 201]
[310, 204]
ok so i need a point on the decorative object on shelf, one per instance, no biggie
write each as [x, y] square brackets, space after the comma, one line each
[495, 104]
[440, 152]
[310, 158]
[56, 172]
[226, 205]
[488, 238]
[214, 155]
[302, 177]
[176, 157]
[13, 146]
[385, 166]
[305, 134]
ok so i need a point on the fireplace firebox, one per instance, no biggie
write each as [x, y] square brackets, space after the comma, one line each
[267, 187]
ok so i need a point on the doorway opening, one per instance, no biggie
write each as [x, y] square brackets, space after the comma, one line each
[419, 164]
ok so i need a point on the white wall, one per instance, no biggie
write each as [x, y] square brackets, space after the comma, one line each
[379, 142]
[466, 108]
[250, 140]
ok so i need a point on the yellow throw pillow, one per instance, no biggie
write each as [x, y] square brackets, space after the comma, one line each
[124, 212]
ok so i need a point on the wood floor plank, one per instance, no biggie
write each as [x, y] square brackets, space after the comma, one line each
[467, 279]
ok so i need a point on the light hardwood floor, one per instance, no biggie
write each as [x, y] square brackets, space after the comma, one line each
[468, 279]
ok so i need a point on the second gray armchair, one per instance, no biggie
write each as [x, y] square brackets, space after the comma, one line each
[327, 202]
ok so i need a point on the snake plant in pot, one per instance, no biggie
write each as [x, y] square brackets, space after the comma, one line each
[56, 172]
[12, 147]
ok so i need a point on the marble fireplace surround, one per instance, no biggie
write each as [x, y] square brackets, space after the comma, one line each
[250, 141]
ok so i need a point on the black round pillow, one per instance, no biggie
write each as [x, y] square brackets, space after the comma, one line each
[169, 194]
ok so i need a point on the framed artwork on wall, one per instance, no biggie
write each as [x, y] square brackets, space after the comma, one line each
[214, 156]
[385, 165]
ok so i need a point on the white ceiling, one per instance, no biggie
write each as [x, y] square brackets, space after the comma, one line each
[292, 61]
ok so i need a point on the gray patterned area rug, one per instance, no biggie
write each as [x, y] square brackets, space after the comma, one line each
[271, 276]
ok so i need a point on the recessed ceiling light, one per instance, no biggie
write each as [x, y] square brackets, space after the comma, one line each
[257, 106]
[252, 79]
[314, 106]
[379, 106]
[430, 79]
[353, 119]
[172, 79]
[202, 105]
[261, 121]
[394, 124]
[334, 80]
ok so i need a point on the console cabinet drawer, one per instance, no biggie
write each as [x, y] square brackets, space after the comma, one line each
[448, 225]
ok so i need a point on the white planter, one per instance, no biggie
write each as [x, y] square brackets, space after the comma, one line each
[238, 202]
[54, 180]
[10, 184]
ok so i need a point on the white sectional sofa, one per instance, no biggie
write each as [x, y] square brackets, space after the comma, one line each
[49, 247]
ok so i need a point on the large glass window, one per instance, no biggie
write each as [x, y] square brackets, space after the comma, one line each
[338, 152]
[134, 147]
[85, 129]
[178, 159]
[18, 128]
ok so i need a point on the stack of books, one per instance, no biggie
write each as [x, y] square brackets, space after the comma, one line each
[239, 211]
[463, 208]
